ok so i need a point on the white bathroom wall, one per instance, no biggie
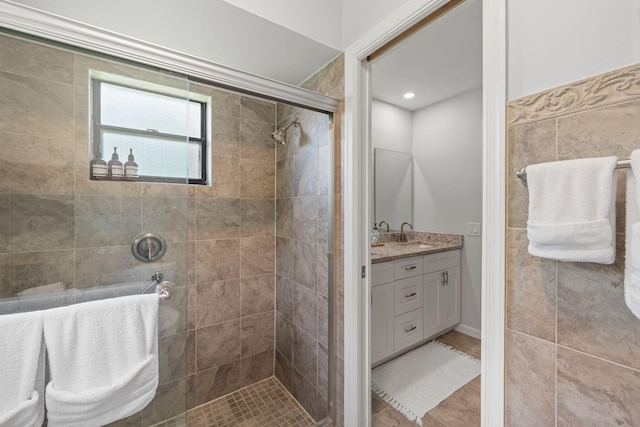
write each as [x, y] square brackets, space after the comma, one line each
[553, 42]
[447, 151]
[214, 30]
[359, 16]
[316, 19]
[391, 127]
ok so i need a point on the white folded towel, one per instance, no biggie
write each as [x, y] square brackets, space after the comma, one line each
[632, 234]
[103, 358]
[572, 210]
[21, 370]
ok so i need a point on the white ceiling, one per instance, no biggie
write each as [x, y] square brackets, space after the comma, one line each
[441, 60]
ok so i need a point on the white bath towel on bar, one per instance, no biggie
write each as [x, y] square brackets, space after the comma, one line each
[572, 210]
[103, 358]
[21, 370]
[632, 234]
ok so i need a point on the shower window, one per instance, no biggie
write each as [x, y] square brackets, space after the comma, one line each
[163, 127]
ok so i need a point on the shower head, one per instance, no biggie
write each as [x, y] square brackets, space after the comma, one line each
[281, 134]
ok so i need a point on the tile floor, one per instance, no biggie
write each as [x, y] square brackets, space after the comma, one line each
[265, 403]
[461, 409]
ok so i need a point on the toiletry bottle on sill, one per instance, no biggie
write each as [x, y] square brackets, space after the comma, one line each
[115, 168]
[131, 167]
[98, 168]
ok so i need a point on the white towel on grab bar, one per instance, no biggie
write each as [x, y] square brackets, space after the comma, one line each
[21, 370]
[632, 234]
[572, 210]
[103, 358]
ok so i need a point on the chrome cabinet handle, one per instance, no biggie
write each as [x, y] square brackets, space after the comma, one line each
[407, 330]
[442, 281]
[412, 294]
[413, 267]
[446, 275]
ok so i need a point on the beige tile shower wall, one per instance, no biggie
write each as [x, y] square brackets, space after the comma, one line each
[302, 244]
[571, 342]
[230, 331]
[57, 226]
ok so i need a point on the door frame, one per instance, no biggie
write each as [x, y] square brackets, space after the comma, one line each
[357, 216]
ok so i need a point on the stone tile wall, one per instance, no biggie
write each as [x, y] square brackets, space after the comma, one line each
[230, 330]
[57, 226]
[571, 342]
[302, 245]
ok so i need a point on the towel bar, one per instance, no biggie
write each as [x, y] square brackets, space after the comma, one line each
[163, 288]
[521, 173]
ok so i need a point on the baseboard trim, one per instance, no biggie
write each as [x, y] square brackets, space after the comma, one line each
[468, 330]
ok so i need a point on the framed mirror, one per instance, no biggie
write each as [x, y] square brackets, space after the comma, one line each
[393, 187]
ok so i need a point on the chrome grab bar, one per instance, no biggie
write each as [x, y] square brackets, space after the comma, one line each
[521, 173]
[163, 288]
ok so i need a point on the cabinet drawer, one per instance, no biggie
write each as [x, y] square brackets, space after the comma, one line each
[408, 267]
[381, 273]
[408, 295]
[408, 329]
[441, 260]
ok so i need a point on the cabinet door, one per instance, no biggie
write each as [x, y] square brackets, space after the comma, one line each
[450, 298]
[381, 273]
[432, 317]
[381, 322]
[441, 260]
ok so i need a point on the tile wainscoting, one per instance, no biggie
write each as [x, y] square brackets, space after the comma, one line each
[572, 345]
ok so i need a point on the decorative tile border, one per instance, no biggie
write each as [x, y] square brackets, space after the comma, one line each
[615, 86]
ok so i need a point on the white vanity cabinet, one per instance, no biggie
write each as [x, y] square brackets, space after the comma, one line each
[413, 299]
[441, 291]
[382, 340]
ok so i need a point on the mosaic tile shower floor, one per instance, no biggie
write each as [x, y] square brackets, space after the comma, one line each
[265, 403]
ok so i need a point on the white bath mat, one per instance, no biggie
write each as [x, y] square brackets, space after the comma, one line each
[418, 381]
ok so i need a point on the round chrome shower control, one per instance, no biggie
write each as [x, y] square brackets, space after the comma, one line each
[148, 247]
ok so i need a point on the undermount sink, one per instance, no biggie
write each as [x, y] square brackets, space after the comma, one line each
[420, 245]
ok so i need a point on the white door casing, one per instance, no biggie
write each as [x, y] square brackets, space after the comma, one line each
[357, 218]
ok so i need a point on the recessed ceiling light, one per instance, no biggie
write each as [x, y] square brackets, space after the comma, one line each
[409, 95]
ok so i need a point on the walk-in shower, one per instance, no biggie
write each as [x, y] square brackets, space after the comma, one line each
[280, 135]
[250, 251]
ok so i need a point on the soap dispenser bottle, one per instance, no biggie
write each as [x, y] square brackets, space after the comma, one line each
[114, 166]
[98, 168]
[131, 167]
[375, 235]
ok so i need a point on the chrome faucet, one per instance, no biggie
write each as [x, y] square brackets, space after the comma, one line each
[403, 237]
[385, 223]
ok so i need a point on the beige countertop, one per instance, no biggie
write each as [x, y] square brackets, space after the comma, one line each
[392, 250]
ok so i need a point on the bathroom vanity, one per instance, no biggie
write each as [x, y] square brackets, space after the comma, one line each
[415, 295]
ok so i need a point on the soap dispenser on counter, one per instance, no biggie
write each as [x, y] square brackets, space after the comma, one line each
[375, 235]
